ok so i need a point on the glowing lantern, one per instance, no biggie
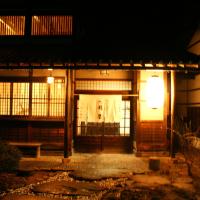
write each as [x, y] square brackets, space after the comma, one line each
[50, 79]
[155, 92]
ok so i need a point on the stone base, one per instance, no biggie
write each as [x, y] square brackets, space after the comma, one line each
[154, 163]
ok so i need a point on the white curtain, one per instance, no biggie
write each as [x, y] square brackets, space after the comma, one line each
[100, 108]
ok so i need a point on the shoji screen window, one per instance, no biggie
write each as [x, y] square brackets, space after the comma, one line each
[40, 99]
[57, 98]
[20, 99]
[5, 98]
[48, 99]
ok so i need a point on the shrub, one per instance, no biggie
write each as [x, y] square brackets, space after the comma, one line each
[9, 157]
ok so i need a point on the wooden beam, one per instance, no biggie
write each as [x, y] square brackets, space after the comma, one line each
[172, 112]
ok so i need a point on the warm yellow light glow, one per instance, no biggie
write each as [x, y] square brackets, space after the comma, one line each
[155, 92]
[148, 65]
[50, 79]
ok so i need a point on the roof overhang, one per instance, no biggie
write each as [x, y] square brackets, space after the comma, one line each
[194, 45]
[104, 65]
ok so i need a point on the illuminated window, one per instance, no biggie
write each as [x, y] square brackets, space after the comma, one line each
[20, 99]
[12, 25]
[125, 118]
[57, 98]
[5, 99]
[40, 99]
[103, 85]
[51, 25]
[48, 99]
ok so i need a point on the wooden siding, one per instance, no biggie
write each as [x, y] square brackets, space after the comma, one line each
[193, 114]
[152, 137]
[49, 133]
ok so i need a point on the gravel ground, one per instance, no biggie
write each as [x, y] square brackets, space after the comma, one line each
[47, 179]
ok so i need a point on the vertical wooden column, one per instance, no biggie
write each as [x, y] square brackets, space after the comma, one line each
[172, 112]
[72, 106]
[133, 111]
[68, 117]
[28, 25]
[29, 128]
[30, 91]
[137, 134]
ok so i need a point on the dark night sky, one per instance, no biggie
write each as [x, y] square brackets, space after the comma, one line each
[140, 28]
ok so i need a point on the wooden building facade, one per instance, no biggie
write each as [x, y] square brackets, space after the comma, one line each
[71, 105]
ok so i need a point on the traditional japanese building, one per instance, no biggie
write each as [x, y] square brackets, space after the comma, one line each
[53, 92]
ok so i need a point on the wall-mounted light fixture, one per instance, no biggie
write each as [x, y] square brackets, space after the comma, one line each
[50, 79]
[104, 73]
[155, 92]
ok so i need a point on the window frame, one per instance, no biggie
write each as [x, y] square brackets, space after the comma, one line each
[30, 85]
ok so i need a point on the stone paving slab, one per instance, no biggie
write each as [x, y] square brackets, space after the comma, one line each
[89, 166]
[68, 188]
[101, 166]
[150, 180]
[98, 174]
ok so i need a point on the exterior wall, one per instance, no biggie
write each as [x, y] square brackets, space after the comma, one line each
[151, 122]
[29, 128]
[181, 96]
[193, 103]
[188, 100]
[194, 45]
[151, 128]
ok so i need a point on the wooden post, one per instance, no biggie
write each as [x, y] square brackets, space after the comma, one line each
[28, 24]
[172, 112]
[68, 124]
[138, 124]
[29, 130]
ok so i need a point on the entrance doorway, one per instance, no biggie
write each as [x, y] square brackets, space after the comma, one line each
[103, 124]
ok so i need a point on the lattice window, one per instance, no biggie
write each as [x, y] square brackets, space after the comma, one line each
[103, 85]
[51, 25]
[40, 99]
[4, 98]
[12, 25]
[125, 118]
[20, 99]
[48, 99]
[57, 98]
